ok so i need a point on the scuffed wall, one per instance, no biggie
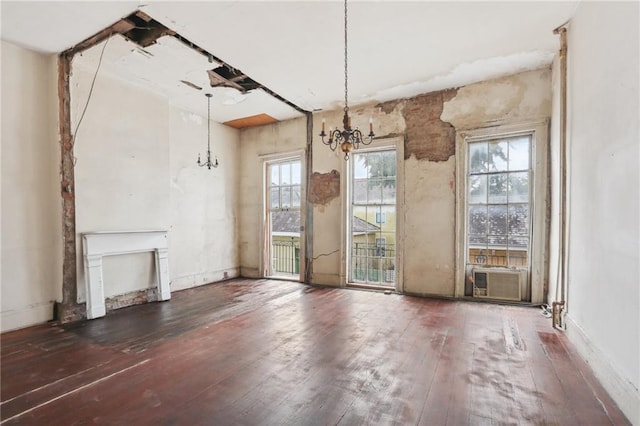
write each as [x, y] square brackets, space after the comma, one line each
[121, 171]
[136, 170]
[324, 187]
[423, 123]
[516, 98]
[204, 203]
[256, 144]
[603, 294]
[31, 255]
[428, 124]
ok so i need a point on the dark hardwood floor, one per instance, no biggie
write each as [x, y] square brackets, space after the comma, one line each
[266, 352]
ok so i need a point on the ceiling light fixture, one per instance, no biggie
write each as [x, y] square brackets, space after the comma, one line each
[208, 163]
[348, 138]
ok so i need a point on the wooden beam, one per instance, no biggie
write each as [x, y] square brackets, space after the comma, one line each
[119, 27]
[68, 310]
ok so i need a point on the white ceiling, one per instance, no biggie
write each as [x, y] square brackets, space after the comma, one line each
[396, 48]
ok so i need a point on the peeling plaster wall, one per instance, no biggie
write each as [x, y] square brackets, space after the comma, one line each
[257, 143]
[427, 124]
[430, 166]
[121, 172]
[519, 97]
[31, 255]
[328, 227]
[204, 203]
[603, 294]
[136, 170]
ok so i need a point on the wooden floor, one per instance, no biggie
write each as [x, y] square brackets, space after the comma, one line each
[267, 352]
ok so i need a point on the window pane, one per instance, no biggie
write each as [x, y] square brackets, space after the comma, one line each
[295, 196]
[275, 174]
[478, 240]
[497, 240]
[388, 163]
[374, 190]
[498, 188]
[519, 219]
[296, 177]
[286, 197]
[359, 166]
[519, 187]
[497, 220]
[275, 197]
[376, 166]
[478, 157]
[389, 191]
[478, 189]
[518, 243]
[519, 153]
[518, 257]
[498, 156]
[285, 174]
[360, 191]
[477, 220]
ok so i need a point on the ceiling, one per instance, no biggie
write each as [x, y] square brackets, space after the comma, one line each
[397, 49]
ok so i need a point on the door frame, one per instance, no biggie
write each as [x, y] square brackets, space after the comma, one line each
[265, 228]
[381, 144]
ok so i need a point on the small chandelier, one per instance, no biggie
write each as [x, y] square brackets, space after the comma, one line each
[348, 138]
[208, 163]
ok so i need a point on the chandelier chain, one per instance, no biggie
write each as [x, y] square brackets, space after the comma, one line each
[208, 123]
[346, 74]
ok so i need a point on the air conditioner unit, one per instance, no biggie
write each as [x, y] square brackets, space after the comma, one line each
[496, 283]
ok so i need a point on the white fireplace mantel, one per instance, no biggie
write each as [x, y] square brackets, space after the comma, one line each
[96, 245]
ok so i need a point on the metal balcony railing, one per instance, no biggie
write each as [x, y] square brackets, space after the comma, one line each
[285, 257]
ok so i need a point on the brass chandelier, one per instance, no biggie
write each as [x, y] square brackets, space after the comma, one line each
[209, 164]
[348, 139]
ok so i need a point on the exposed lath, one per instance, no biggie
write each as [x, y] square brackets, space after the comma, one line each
[225, 76]
[146, 30]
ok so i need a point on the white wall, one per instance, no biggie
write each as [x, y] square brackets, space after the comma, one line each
[136, 170]
[604, 230]
[31, 205]
[204, 203]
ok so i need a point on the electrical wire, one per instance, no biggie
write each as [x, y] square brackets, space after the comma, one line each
[93, 82]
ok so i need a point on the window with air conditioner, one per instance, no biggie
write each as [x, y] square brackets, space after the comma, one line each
[501, 219]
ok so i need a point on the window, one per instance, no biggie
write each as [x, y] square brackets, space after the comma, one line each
[502, 204]
[498, 201]
[373, 217]
[285, 185]
[282, 245]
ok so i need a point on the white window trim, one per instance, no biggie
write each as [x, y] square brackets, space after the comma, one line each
[539, 222]
[266, 160]
[380, 144]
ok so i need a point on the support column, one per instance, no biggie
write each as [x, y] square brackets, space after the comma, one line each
[95, 287]
[162, 272]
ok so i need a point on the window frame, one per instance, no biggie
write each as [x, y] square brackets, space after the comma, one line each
[538, 199]
[381, 144]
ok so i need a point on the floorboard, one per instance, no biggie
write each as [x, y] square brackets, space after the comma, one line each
[268, 352]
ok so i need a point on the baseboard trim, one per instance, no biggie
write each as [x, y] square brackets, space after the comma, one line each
[26, 317]
[620, 389]
[191, 281]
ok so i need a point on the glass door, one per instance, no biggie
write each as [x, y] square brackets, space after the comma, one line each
[283, 214]
[373, 218]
